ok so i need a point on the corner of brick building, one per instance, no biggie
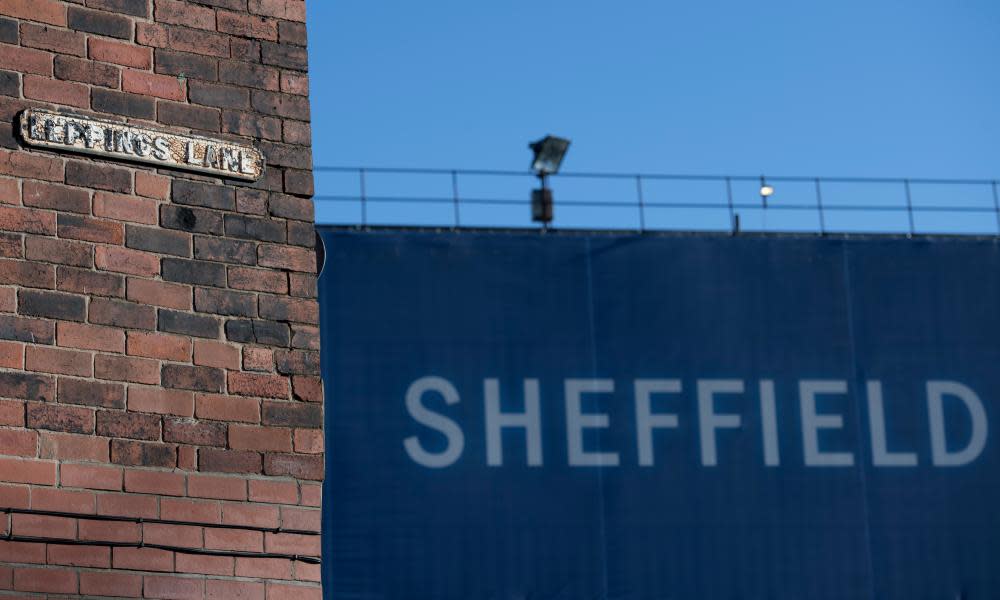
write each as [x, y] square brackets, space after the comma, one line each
[160, 400]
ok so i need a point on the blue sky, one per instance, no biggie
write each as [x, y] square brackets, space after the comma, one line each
[847, 88]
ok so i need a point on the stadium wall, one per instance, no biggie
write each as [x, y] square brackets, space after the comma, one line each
[160, 400]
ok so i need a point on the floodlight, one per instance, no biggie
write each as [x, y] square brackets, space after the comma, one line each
[766, 190]
[549, 152]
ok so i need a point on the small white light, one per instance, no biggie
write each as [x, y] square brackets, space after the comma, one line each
[766, 190]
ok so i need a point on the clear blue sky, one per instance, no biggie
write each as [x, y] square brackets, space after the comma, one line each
[847, 88]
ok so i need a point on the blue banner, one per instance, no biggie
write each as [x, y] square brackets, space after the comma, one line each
[564, 416]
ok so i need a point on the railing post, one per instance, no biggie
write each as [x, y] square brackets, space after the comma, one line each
[909, 205]
[364, 199]
[642, 204]
[454, 195]
[996, 205]
[734, 225]
[819, 206]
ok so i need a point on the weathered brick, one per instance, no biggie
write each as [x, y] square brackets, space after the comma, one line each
[74, 447]
[91, 230]
[100, 176]
[8, 31]
[45, 11]
[309, 389]
[55, 39]
[128, 425]
[250, 26]
[46, 359]
[297, 362]
[251, 125]
[127, 505]
[122, 314]
[302, 285]
[185, 13]
[59, 417]
[56, 500]
[19, 272]
[143, 454]
[26, 60]
[212, 353]
[190, 431]
[27, 220]
[225, 302]
[22, 329]
[225, 250]
[291, 414]
[189, 219]
[159, 345]
[199, 379]
[152, 34]
[189, 324]
[90, 337]
[159, 293]
[249, 75]
[54, 250]
[280, 308]
[309, 441]
[151, 84]
[257, 331]
[256, 384]
[10, 245]
[151, 185]
[277, 492]
[284, 55]
[18, 442]
[187, 115]
[227, 408]
[31, 166]
[86, 71]
[99, 22]
[305, 337]
[119, 103]
[296, 132]
[91, 393]
[95, 477]
[161, 401]
[252, 437]
[291, 207]
[267, 230]
[11, 357]
[260, 280]
[290, 10]
[158, 240]
[85, 281]
[196, 272]
[52, 305]
[290, 32]
[301, 233]
[58, 197]
[194, 511]
[125, 208]
[125, 260]
[229, 461]
[136, 8]
[281, 105]
[96, 583]
[120, 53]
[220, 96]
[191, 66]
[154, 482]
[302, 466]
[202, 194]
[121, 368]
[143, 559]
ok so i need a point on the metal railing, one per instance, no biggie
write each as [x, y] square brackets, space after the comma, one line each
[656, 202]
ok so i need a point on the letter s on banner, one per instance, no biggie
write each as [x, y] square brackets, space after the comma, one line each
[421, 414]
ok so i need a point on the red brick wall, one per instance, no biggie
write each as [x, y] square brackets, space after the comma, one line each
[160, 401]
